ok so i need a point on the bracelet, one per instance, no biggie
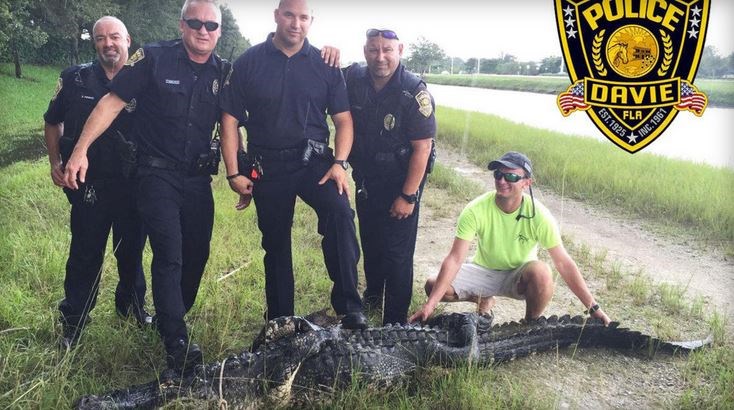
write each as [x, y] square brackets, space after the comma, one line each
[593, 308]
[233, 176]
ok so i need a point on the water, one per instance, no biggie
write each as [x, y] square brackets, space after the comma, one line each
[706, 139]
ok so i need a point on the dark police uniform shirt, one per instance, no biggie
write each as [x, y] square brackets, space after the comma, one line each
[77, 93]
[415, 125]
[177, 100]
[384, 120]
[282, 100]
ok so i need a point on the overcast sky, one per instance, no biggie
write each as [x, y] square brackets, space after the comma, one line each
[462, 28]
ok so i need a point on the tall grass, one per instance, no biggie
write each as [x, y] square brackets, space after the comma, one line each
[720, 93]
[23, 103]
[668, 191]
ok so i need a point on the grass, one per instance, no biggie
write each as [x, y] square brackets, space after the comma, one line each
[671, 193]
[34, 241]
[23, 103]
[720, 93]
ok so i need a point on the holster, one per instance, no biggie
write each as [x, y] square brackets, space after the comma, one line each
[315, 149]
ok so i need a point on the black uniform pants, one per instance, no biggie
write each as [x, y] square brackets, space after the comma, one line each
[388, 245]
[275, 196]
[97, 207]
[178, 215]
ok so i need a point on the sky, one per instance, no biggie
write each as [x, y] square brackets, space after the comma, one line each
[462, 28]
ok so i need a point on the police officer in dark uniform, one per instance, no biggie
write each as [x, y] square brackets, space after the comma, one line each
[176, 84]
[394, 127]
[282, 90]
[105, 201]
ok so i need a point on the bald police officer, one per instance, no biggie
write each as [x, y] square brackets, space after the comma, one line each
[176, 84]
[394, 127]
[105, 201]
[282, 91]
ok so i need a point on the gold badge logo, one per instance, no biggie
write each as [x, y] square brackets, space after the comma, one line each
[138, 56]
[424, 103]
[389, 122]
[632, 64]
[215, 87]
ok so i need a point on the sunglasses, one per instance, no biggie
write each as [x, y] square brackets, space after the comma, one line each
[388, 34]
[195, 24]
[508, 176]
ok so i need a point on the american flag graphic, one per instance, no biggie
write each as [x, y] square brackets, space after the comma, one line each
[691, 99]
[572, 99]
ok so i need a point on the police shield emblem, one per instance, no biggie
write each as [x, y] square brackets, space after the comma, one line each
[632, 64]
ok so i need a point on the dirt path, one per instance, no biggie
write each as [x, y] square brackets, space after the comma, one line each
[594, 378]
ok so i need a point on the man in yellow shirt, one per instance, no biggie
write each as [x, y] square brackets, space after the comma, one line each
[509, 226]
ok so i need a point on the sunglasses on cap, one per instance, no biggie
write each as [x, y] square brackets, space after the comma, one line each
[196, 24]
[508, 176]
[388, 34]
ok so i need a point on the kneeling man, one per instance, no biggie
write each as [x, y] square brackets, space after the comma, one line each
[509, 226]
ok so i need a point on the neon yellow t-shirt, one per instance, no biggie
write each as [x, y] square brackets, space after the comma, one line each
[506, 243]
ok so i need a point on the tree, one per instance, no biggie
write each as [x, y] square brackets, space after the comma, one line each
[712, 65]
[423, 55]
[150, 21]
[231, 44]
[470, 67]
[19, 32]
[550, 65]
[70, 19]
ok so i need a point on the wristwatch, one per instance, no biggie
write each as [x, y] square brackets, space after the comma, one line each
[411, 199]
[343, 162]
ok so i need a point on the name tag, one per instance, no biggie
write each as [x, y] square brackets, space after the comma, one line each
[175, 82]
[88, 97]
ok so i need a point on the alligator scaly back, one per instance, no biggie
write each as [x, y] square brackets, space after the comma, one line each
[294, 358]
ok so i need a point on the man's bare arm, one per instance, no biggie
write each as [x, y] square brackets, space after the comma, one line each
[343, 139]
[52, 133]
[99, 120]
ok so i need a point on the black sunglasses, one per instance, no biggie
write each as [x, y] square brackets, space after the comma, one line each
[388, 34]
[508, 176]
[195, 24]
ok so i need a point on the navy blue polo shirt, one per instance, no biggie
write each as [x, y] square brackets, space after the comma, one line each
[177, 100]
[282, 100]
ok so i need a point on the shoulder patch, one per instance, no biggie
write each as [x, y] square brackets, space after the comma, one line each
[138, 56]
[424, 103]
[59, 86]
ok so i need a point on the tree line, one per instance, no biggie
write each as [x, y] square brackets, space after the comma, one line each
[58, 32]
[425, 56]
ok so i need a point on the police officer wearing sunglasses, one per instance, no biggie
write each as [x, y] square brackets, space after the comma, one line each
[282, 91]
[509, 226]
[176, 86]
[394, 127]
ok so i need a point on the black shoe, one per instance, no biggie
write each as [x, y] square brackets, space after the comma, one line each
[354, 320]
[70, 336]
[183, 356]
[141, 316]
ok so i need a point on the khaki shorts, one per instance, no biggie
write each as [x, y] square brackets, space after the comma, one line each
[474, 281]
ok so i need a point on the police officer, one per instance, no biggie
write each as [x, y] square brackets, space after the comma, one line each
[394, 127]
[105, 200]
[287, 90]
[176, 84]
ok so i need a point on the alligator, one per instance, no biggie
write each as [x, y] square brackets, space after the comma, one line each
[296, 360]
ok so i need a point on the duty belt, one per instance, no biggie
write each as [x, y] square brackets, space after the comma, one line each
[277, 154]
[162, 163]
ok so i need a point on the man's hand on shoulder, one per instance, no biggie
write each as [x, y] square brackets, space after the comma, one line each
[331, 56]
